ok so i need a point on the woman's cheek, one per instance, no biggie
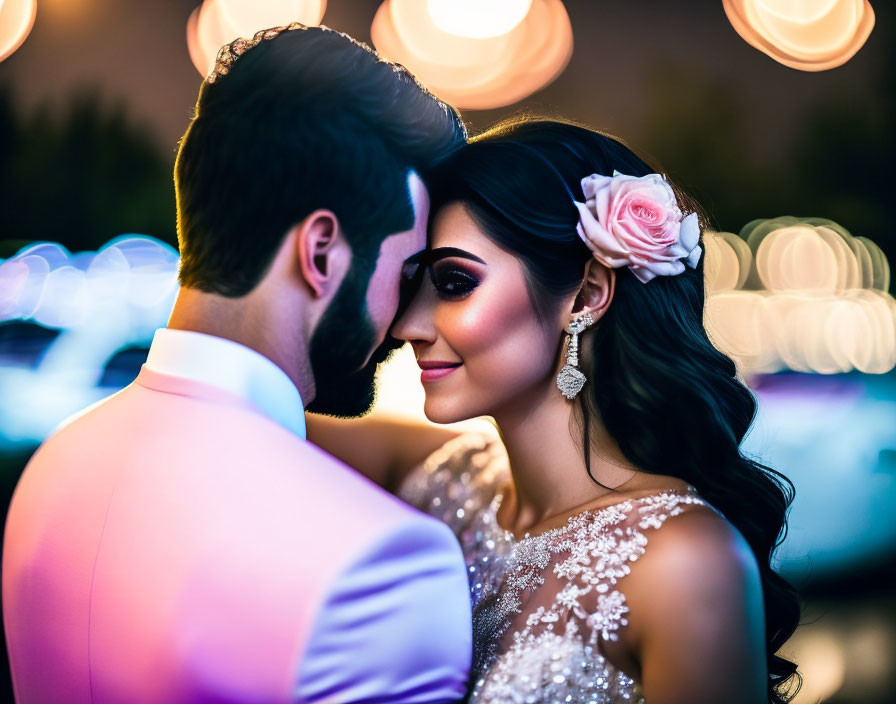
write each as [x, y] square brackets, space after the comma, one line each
[469, 327]
[503, 347]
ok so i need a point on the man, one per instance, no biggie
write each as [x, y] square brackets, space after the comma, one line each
[181, 541]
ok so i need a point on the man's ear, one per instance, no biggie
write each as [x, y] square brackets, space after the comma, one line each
[317, 241]
[597, 290]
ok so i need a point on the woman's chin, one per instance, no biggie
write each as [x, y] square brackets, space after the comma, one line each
[442, 412]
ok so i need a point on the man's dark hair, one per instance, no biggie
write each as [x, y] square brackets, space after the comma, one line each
[309, 119]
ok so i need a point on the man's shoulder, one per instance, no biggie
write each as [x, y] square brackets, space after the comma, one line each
[245, 451]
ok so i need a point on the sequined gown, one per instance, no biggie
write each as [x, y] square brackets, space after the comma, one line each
[542, 604]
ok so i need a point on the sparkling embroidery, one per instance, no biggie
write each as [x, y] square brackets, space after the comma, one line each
[543, 604]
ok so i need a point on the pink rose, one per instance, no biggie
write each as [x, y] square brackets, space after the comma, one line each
[636, 222]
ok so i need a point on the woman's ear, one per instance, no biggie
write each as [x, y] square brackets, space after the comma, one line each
[597, 291]
[317, 244]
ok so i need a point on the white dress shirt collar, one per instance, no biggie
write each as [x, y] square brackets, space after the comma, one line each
[231, 366]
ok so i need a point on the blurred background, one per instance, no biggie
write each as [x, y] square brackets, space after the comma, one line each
[777, 115]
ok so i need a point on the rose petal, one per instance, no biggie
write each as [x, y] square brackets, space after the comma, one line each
[666, 268]
[689, 235]
[695, 257]
[636, 221]
[630, 235]
[593, 183]
[644, 275]
[596, 188]
[598, 240]
[638, 240]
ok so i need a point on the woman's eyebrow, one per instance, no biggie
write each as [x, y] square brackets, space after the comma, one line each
[431, 256]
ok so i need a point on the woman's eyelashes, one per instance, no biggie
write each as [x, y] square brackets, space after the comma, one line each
[452, 281]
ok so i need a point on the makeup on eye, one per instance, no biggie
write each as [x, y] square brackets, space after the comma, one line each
[451, 279]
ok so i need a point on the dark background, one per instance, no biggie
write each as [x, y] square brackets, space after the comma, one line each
[92, 106]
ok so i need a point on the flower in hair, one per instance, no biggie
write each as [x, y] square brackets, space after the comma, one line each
[636, 222]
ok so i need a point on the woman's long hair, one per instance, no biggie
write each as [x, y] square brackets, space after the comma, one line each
[669, 398]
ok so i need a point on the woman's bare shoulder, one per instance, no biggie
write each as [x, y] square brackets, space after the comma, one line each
[694, 555]
[696, 608]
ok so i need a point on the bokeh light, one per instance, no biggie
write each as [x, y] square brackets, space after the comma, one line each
[470, 70]
[809, 35]
[100, 302]
[822, 664]
[56, 289]
[16, 21]
[249, 16]
[800, 294]
[477, 19]
[215, 23]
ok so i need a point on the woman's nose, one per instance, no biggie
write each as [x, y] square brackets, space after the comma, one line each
[415, 322]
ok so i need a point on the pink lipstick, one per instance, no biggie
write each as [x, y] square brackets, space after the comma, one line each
[433, 371]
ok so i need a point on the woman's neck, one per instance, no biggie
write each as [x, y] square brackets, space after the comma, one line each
[547, 462]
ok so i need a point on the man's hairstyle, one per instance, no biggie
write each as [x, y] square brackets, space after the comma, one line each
[309, 119]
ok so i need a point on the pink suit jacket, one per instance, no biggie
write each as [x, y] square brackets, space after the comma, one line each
[173, 544]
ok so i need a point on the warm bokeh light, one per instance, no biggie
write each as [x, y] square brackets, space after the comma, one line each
[847, 651]
[218, 22]
[809, 35]
[249, 16]
[16, 21]
[821, 661]
[800, 294]
[69, 14]
[728, 261]
[476, 73]
[212, 32]
[197, 54]
[813, 253]
[478, 19]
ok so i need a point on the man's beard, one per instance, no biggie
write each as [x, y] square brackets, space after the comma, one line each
[339, 345]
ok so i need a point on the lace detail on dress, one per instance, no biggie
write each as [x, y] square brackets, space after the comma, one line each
[458, 484]
[541, 604]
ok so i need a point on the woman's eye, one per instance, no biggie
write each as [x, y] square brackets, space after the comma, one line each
[452, 283]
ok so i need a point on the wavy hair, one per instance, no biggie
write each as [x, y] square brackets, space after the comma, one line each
[650, 360]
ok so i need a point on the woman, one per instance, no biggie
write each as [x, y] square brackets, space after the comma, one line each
[619, 550]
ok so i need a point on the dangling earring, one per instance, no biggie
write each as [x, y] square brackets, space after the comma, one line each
[570, 380]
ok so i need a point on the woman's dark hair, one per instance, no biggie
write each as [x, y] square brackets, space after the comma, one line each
[657, 380]
[309, 119]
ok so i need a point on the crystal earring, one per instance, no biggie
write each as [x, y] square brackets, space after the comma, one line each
[571, 380]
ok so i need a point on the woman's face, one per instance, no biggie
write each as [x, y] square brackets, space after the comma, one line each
[478, 340]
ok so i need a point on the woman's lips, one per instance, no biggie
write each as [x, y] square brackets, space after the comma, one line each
[433, 371]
